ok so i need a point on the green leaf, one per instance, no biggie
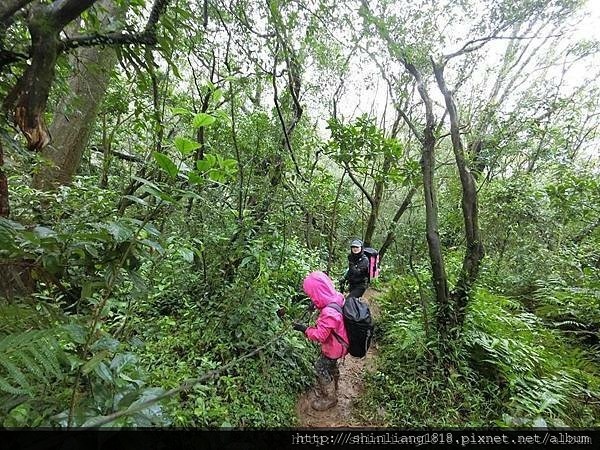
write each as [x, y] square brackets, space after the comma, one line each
[77, 332]
[93, 362]
[166, 164]
[154, 245]
[181, 112]
[195, 178]
[104, 372]
[217, 176]
[119, 232]
[146, 182]
[51, 263]
[105, 343]
[121, 360]
[212, 159]
[203, 120]
[203, 165]
[135, 199]
[44, 232]
[158, 194]
[185, 145]
[187, 255]
[217, 95]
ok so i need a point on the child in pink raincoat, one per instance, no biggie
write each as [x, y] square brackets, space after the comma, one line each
[330, 332]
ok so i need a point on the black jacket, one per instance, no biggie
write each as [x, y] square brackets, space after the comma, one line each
[358, 269]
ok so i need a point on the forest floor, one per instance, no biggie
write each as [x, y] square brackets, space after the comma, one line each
[351, 387]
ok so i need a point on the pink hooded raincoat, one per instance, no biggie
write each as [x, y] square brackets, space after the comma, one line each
[319, 287]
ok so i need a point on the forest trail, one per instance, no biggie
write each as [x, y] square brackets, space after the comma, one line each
[351, 387]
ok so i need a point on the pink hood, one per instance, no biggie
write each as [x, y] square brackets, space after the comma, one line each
[319, 287]
[330, 322]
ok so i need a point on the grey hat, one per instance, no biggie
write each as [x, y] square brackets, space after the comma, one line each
[356, 243]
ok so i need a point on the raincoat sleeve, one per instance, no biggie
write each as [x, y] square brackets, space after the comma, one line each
[323, 328]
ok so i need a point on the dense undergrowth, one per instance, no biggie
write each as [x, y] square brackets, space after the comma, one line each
[514, 368]
[117, 330]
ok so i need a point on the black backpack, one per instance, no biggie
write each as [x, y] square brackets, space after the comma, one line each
[358, 323]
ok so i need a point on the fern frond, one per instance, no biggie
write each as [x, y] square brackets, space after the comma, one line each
[17, 317]
[4, 386]
[32, 366]
[16, 374]
[48, 355]
[28, 360]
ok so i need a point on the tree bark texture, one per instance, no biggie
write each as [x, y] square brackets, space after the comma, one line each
[76, 114]
[428, 141]
[391, 235]
[9, 7]
[4, 203]
[377, 198]
[474, 252]
[27, 100]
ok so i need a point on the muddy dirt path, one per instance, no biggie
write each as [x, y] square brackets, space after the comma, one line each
[352, 371]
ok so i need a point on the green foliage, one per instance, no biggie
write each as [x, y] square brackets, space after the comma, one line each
[512, 371]
[409, 389]
[544, 378]
[27, 359]
[206, 221]
[362, 143]
[572, 308]
[205, 330]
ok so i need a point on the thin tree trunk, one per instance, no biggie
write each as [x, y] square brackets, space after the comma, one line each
[4, 202]
[377, 198]
[474, 252]
[333, 221]
[27, 100]
[440, 280]
[391, 236]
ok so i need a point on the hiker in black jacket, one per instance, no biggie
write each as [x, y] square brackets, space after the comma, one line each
[357, 275]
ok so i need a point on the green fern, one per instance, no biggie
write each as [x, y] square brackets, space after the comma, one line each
[25, 316]
[27, 359]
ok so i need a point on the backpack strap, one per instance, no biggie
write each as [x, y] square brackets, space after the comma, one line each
[335, 306]
[338, 308]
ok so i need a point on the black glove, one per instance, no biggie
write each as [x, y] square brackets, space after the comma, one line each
[299, 327]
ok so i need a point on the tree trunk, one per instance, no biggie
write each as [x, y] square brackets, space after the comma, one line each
[27, 100]
[9, 7]
[391, 236]
[377, 197]
[76, 114]
[474, 252]
[440, 281]
[4, 204]
[428, 141]
[330, 246]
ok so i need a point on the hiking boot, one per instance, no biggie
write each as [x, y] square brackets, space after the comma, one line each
[327, 399]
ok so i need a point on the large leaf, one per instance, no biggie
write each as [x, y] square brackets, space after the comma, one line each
[207, 163]
[185, 145]
[203, 120]
[119, 232]
[187, 254]
[166, 164]
[194, 178]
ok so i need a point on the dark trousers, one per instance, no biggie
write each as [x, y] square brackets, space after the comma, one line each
[357, 290]
[326, 370]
